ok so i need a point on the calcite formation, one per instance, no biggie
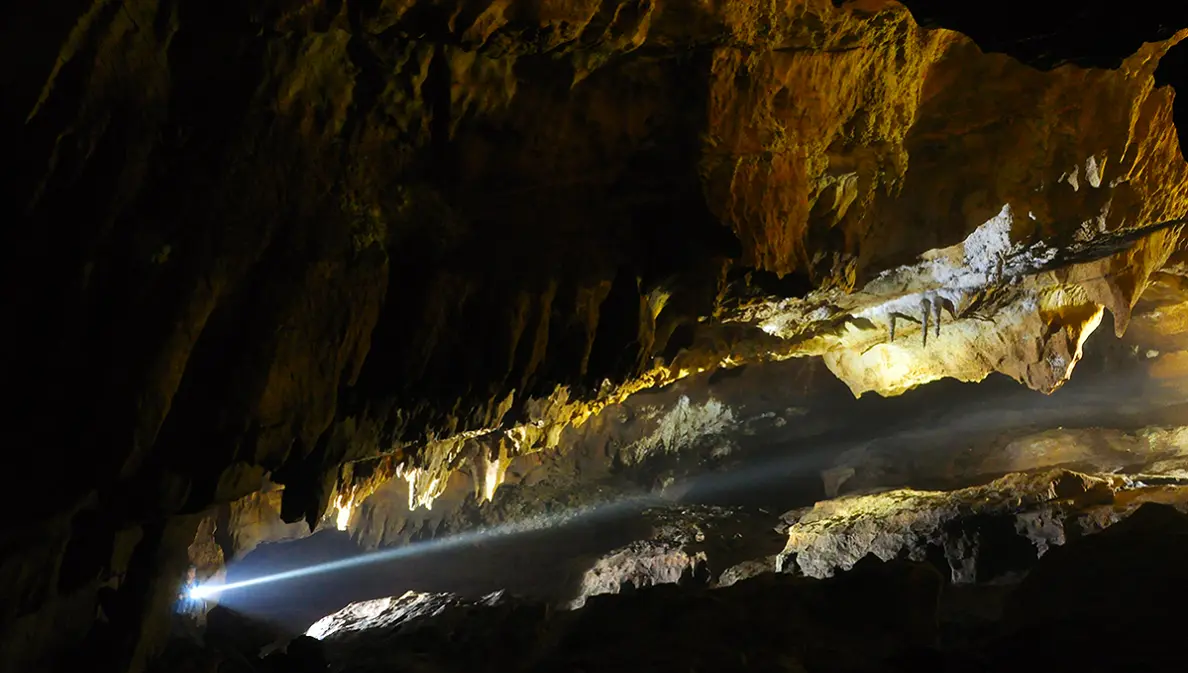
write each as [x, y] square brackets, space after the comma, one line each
[1016, 303]
[255, 242]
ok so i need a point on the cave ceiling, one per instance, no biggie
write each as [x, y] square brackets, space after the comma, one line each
[330, 244]
[342, 229]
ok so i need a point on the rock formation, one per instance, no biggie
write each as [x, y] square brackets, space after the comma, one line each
[771, 623]
[409, 248]
[877, 616]
[979, 534]
[697, 546]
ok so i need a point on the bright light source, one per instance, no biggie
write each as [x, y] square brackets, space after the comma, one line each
[531, 524]
[202, 591]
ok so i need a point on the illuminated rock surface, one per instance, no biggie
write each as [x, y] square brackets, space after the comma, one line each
[688, 546]
[1150, 453]
[401, 255]
[663, 628]
[877, 616]
[979, 534]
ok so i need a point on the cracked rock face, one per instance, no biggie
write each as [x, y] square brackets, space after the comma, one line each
[688, 546]
[266, 242]
[979, 534]
[394, 613]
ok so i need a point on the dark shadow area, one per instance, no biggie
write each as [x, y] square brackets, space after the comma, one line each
[1105, 602]
[544, 564]
[771, 470]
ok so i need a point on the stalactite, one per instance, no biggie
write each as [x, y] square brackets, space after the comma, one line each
[925, 311]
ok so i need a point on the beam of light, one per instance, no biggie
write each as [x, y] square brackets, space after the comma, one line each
[1001, 412]
[1007, 412]
[531, 524]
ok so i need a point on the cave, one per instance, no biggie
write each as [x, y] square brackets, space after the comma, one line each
[594, 335]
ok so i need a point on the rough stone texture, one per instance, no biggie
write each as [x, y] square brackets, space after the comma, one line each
[980, 534]
[1124, 584]
[774, 623]
[1153, 453]
[687, 545]
[396, 613]
[1124, 415]
[206, 555]
[231, 531]
[253, 520]
[261, 239]
[654, 441]
[747, 569]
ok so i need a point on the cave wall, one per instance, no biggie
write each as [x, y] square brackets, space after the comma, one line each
[260, 239]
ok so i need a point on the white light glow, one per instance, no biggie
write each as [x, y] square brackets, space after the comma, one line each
[204, 591]
[493, 477]
[343, 517]
[531, 524]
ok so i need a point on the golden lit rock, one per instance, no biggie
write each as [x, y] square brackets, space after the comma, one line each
[405, 245]
[833, 535]
[837, 145]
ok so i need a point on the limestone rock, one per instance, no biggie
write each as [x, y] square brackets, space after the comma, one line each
[980, 534]
[275, 237]
[855, 622]
[233, 530]
[393, 614]
[255, 519]
[991, 447]
[1153, 452]
[746, 570]
[686, 545]
[876, 617]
